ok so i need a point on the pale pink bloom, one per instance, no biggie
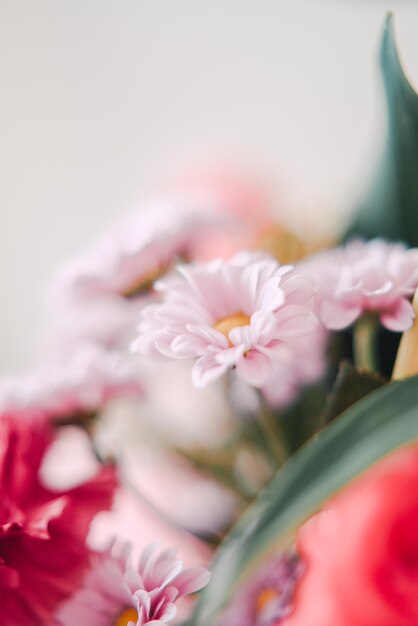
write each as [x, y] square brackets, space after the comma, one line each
[132, 252]
[375, 277]
[242, 314]
[115, 592]
[267, 598]
[82, 385]
[98, 294]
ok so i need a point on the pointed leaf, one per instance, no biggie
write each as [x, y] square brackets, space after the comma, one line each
[383, 421]
[390, 207]
[351, 385]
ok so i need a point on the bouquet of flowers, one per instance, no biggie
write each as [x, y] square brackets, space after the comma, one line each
[212, 381]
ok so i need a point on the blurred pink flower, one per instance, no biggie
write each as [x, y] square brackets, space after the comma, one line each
[43, 554]
[132, 252]
[81, 385]
[115, 593]
[267, 598]
[374, 276]
[98, 294]
[307, 367]
[240, 313]
[242, 201]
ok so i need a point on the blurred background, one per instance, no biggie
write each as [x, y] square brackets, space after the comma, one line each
[104, 101]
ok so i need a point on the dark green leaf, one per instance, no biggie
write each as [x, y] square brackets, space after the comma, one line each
[350, 386]
[383, 421]
[390, 207]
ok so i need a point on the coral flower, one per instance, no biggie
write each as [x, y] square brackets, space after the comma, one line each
[115, 593]
[80, 387]
[43, 554]
[267, 598]
[243, 313]
[361, 553]
[375, 276]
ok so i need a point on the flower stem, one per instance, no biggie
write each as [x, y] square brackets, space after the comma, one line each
[275, 442]
[365, 345]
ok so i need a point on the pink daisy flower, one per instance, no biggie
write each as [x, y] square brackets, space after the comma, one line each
[98, 294]
[243, 313]
[375, 277]
[81, 386]
[267, 598]
[136, 250]
[116, 594]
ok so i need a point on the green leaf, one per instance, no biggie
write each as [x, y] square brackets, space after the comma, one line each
[383, 421]
[351, 386]
[390, 207]
[301, 419]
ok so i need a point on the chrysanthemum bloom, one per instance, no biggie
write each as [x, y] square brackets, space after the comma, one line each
[243, 313]
[134, 252]
[375, 277]
[98, 294]
[361, 552]
[268, 597]
[43, 555]
[75, 389]
[115, 593]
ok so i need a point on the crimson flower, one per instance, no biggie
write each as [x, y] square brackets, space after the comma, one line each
[43, 554]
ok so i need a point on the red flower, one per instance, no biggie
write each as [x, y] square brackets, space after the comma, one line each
[42, 533]
[362, 553]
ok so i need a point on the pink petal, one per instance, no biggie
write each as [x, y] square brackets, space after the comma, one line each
[230, 357]
[208, 335]
[295, 320]
[206, 370]
[400, 318]
[298, 289]
[336, 315]
[191, 580]
[255, 368]
[242, 336]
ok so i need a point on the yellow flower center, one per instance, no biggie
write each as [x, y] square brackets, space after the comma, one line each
[226, 324]
[128, 615]
[264, 598]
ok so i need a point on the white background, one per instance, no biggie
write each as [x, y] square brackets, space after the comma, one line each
[101, 99]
